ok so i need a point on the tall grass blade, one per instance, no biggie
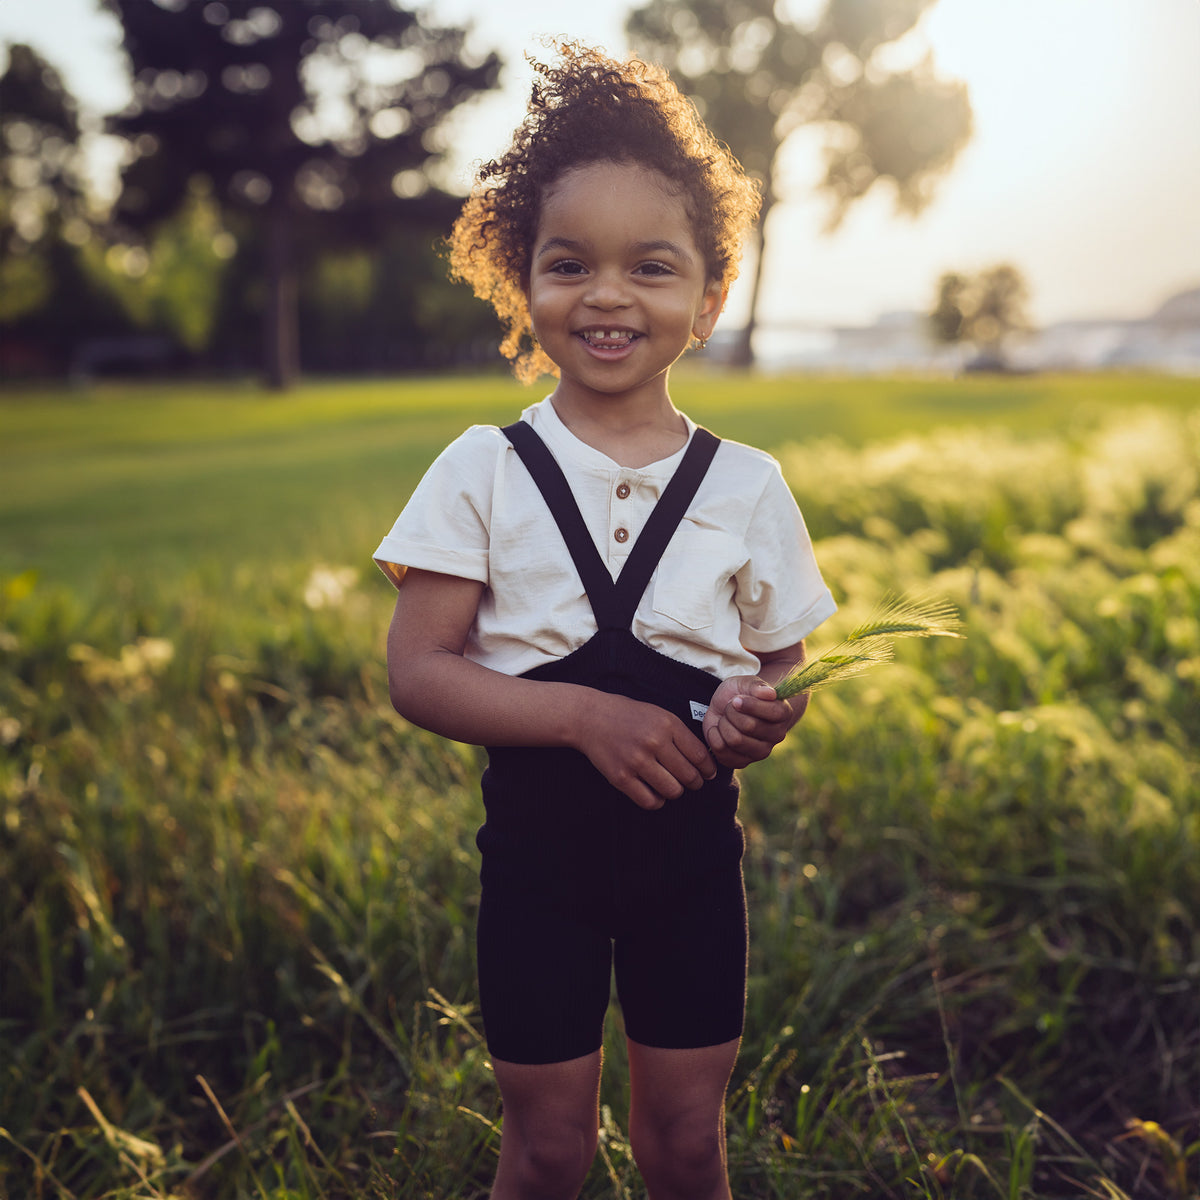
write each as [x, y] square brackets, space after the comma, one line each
[910, 616]
[233, 1133]
[869, 644]
[830, 667]
[64, 1192]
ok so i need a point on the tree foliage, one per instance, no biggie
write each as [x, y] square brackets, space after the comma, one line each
[171, 285]
[50, 302]
[41, 188]
[758, 74]
[314, 121]
[985, 309]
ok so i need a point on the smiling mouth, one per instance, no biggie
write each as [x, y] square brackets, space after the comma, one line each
[609, 339]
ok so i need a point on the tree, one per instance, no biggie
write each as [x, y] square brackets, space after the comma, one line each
[171, 285]
[985, 309]
[49, 302]
[41, 189]
[758, 75]
[313, 121]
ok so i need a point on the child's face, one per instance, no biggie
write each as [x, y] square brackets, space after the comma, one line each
[617, 285]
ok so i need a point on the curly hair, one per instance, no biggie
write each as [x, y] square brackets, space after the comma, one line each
[583, 110]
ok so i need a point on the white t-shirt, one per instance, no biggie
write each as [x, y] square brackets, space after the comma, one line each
[738, 576]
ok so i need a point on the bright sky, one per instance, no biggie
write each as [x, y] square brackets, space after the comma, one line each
[1084, 169]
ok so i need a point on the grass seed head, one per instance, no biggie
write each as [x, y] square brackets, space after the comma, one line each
[870, 643]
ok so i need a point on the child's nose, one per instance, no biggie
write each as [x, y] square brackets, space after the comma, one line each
[607, 290]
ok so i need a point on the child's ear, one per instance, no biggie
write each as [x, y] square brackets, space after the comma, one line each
[710, 309]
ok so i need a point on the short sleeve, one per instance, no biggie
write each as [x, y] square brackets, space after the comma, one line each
[780, 594]
[445, 525]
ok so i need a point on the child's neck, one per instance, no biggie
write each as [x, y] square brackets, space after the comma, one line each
[633, 436]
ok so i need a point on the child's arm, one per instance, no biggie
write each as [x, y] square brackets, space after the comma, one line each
[641, 749]
[745, 722]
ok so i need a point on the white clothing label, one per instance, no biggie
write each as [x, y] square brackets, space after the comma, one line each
[698, 710]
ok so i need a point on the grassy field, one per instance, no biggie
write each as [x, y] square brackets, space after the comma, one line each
[236, 892]
[153, 480]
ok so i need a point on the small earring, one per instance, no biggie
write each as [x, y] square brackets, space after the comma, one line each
[702, 340]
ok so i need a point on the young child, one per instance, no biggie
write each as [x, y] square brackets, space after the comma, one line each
[602, 595]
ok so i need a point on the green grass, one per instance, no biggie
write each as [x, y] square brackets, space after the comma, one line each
[151, 480]
[237, 893]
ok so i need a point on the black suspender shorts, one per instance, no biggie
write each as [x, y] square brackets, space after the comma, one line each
[578, 882]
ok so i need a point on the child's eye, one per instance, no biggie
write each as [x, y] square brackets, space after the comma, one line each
[567, 266]
[654, 268]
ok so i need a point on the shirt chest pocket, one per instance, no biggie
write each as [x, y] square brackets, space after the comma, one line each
[695, 576]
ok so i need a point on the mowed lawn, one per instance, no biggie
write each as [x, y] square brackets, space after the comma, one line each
[157, 479]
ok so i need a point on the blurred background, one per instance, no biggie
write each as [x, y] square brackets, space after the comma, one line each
[232, 186]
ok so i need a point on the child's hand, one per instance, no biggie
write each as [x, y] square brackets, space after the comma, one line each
[642, 750]
[745, 721]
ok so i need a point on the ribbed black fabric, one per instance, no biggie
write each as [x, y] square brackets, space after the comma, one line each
[572, 867]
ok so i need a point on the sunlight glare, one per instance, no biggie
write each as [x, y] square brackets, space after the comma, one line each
[1038, 70]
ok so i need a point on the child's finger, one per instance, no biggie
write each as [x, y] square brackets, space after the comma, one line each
[728, 745]
[662, 781]
[687, 763]
[731, 750]
[731, 758]
[643, 795]
[744, 711]
[695, 754]
[716, 743]
[673, 774]
[750, 737]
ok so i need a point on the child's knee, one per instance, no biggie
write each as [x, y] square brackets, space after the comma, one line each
[685, 1157]
[553, 1159]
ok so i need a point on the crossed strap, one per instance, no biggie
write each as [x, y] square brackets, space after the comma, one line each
[613, 601]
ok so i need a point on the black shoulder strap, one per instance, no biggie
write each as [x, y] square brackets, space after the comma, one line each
[552, 483]
[614, 604]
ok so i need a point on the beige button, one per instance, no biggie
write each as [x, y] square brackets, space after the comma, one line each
[622, 491]
[622, 535]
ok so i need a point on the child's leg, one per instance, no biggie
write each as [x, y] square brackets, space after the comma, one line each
[551, 1118]
[677, 1119]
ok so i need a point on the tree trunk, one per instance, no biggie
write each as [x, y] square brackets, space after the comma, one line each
[281, 340]
[742, 354]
